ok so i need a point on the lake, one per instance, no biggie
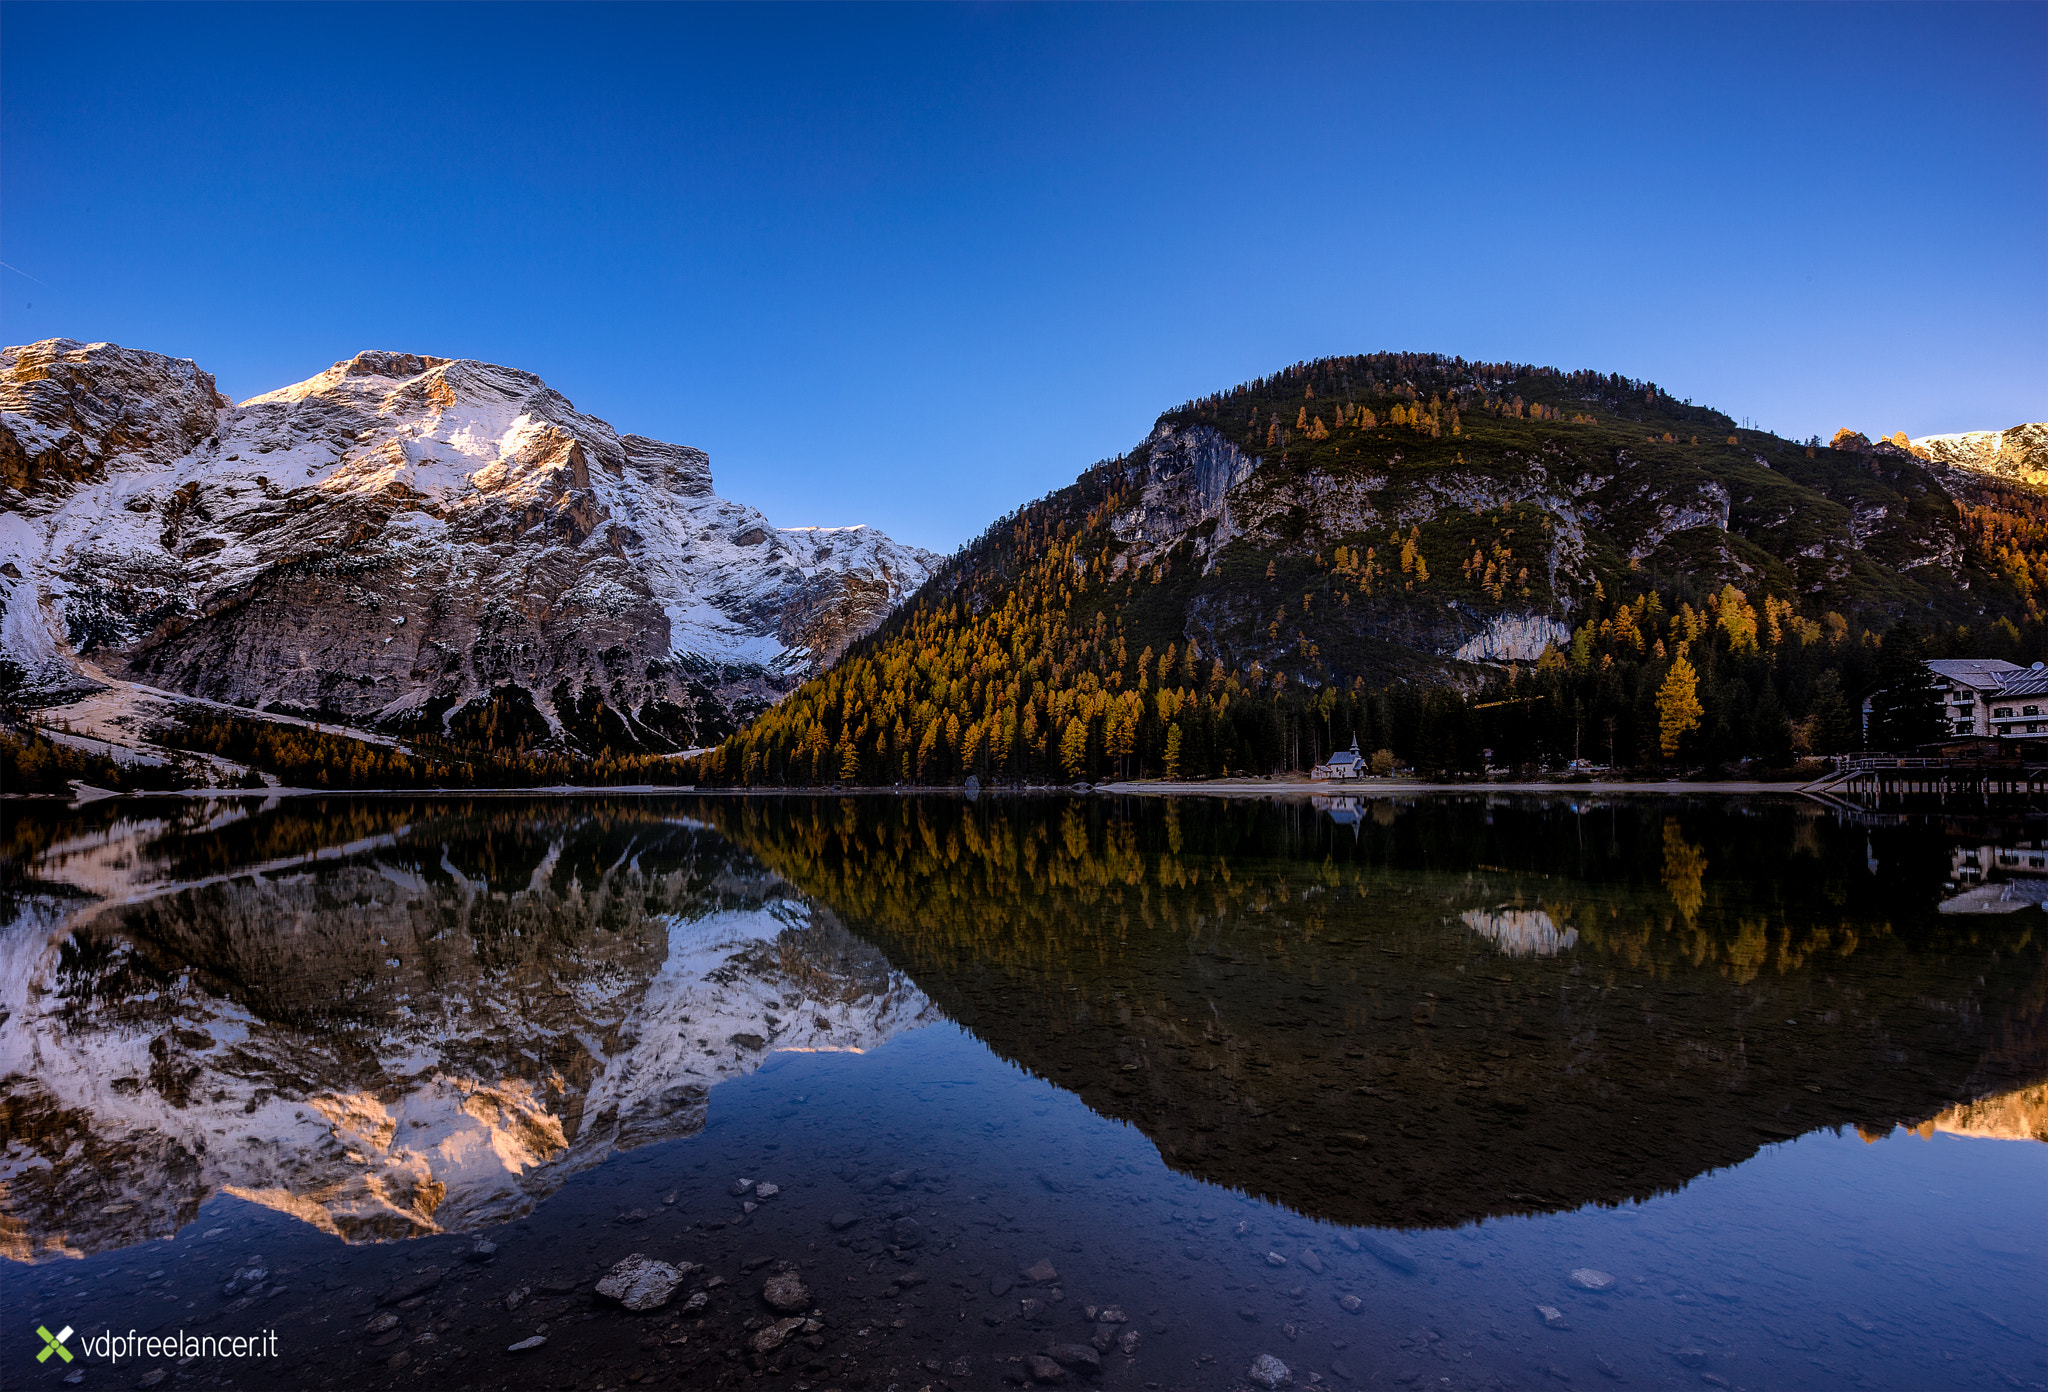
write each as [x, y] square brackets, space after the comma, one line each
[1428, 1091]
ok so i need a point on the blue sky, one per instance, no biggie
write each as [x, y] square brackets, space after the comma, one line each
[914, 266]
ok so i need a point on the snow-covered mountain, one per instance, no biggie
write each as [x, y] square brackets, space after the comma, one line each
[396, 538]
[2018, 455]
[427, 1029]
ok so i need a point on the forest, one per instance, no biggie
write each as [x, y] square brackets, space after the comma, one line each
[1018, 696]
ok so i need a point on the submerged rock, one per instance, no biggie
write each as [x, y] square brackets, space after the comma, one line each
[406, 1287]
[787, 1293]
[1077, 1356]
[1044, 1369]
[771, 1337]
[1389, 1250]
[1269, 1372]
[640, 1283]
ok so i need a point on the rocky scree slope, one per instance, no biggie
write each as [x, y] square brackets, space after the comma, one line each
[407, 543]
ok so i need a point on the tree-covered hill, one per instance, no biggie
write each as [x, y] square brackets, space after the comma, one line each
[1390, 547]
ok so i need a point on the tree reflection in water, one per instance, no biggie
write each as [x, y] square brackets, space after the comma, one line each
[1425, 1012]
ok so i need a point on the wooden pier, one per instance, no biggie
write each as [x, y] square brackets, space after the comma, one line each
[1886, 780]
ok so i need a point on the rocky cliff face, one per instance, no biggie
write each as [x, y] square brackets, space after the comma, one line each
[2018, 455]
[426, 1029]
[396, 539]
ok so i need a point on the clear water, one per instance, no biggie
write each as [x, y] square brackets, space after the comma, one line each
[1440, 1092]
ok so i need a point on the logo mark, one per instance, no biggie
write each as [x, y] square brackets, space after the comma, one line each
[54, 1343]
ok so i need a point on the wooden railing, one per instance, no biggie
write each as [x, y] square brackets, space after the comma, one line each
[1858, 763]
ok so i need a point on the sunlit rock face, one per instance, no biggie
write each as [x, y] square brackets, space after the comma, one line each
[428, 1031]
[2018, 455]
[396, 538]
[2020, 1115]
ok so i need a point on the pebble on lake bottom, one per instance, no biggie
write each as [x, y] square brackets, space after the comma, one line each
[1043, 1369]
[786, 1293]
[772, 1337]
[1269, 1372]
[1076, 1356]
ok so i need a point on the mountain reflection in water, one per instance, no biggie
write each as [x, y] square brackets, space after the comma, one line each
[401, 1016]
[426, 1031]
[1296, 1008]
[1155, 1047]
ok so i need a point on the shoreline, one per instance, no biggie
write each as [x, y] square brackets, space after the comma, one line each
[1227, 788]
[1378, 787]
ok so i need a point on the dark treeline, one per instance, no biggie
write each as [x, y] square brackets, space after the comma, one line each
[32, 762]
[305, 757]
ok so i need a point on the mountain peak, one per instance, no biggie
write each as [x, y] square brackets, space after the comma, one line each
[2018, 454]
[399, 538]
